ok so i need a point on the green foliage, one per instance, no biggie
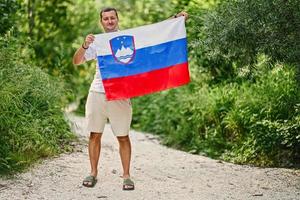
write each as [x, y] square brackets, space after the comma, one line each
[8, 10]
[246, 123]
[235, 108]
[55, 29]
[238, 31]
[45, 22]
[32, 124]
[265, 119]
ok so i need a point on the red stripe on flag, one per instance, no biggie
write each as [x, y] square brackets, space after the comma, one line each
[146, 83]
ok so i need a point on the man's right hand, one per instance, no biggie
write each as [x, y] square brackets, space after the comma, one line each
[89, 39]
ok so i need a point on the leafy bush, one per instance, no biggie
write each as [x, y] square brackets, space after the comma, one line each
[265, 119]
[238, 31]
[246, 123]
[32, 124]
[8, 10]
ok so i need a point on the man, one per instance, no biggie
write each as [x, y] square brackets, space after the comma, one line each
[98, 109]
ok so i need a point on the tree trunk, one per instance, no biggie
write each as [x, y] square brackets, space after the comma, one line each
[31, 15]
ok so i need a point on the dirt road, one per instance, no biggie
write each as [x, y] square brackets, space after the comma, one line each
[159, 173]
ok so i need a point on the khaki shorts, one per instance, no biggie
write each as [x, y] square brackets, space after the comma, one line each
[98, 110]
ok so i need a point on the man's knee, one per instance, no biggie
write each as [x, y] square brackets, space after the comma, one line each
[95, 136]
[123, 139]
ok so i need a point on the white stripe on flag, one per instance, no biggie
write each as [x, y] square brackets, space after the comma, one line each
[148, 35]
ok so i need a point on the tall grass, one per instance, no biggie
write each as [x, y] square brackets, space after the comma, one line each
[32, 123]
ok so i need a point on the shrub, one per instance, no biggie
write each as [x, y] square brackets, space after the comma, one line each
[8, 9]
[238, 31]
[242, 122]
[32, 124]
[265, 119]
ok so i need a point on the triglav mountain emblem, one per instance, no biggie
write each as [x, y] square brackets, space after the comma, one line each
[123, 48]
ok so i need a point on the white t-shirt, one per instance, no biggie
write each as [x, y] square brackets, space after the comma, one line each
[97, 85]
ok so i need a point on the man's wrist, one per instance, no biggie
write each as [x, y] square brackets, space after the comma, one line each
[83, 46]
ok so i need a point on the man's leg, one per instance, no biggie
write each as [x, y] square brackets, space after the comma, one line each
[96, 118]
[125, 154]
[120, 116]
[94, 154]
[94, 151]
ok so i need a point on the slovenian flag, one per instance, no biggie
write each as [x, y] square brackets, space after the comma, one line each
[143, 60]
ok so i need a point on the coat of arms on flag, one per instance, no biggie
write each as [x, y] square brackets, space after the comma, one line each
[143, 60]
[123, 48]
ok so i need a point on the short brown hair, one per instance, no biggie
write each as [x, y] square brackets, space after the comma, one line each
[108, 9]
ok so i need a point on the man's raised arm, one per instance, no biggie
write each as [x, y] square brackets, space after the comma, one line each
[78, 57]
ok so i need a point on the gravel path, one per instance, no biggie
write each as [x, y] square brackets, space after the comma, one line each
[159, 173]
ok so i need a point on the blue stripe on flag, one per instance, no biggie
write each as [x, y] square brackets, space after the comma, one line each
[145, 60]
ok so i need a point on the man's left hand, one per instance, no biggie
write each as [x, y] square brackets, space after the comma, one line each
[182, 13]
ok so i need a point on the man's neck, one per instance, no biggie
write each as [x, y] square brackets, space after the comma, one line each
[108, 31]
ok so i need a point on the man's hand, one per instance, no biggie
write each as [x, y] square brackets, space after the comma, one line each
[182, 13]
[78, 57]
[88, 40]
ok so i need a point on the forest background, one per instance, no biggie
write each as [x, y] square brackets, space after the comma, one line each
[242, 105]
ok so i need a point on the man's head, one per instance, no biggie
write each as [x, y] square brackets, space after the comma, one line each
[109, 19]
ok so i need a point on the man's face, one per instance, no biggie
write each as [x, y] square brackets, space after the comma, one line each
[110, 21]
